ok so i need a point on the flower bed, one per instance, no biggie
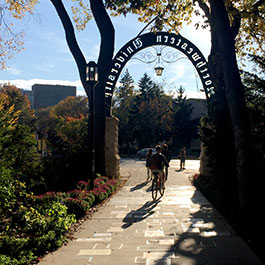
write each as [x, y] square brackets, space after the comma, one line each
[40, 225]
[80, 200]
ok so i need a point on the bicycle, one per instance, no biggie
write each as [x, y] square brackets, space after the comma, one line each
[158, 184]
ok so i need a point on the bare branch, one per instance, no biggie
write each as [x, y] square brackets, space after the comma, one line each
[258, 4]
[107, 33]
[71, 40]
[236, 22]
[204, 7]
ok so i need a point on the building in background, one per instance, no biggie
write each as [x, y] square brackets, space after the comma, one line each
[199, 109]
[28, 94]
[50, 95]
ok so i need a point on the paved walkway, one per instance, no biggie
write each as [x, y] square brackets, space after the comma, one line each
[182, 228]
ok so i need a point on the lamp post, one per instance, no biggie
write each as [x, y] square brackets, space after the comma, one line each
[92, 80]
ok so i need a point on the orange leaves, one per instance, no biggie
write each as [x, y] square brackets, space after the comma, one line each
[8, 116]
[10, 45]
[71, 108]
[73, 119]
[251, 35]
[12, 42]
[172, 13]
[81, 13]
[19, 8]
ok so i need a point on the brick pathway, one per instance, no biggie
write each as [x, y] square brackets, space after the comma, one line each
[182, 228]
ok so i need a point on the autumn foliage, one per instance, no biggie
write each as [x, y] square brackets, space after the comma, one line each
[11, 42]
[33, 219]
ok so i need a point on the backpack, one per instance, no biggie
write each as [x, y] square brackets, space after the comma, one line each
[154, 162]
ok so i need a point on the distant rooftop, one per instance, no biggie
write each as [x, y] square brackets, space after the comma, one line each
[50, 95]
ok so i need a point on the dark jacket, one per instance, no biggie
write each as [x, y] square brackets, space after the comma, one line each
[167, 155]
[148, 156]
[160, 160]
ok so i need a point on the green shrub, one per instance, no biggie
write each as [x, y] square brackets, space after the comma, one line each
[82, 185]
[30, 221]
[100, 181]
[75, 193]
[15, 250]
[36, 232]
[88, 196]
[8, 260]
[113, 184]
[100, 194]
[107, 188]
[59, 219]
[40, 222]
[77, 207]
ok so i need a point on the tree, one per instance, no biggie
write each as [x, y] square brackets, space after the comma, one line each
[18, 152]
[246, 17]
[8, 122]
[75, 107]
[147, 89]
[69, 110]
[224, 19]
[152, 121]
[145, 114]
[122, 102]
[234, 93]
[254, 83]
[8, 119]
[183, 128]
[20, 102]
[81, 15]
[124, 91]
[150, 113]
[64, 127]
[104, 62]
[67, 120]
[12, 42]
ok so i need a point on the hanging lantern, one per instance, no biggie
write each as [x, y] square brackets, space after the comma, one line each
[159, 70]
[92, 72]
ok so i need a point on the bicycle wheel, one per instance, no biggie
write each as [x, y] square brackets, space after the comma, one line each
[154, 187]
[161, 187]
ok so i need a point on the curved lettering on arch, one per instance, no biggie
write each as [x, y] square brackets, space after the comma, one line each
[160, 38]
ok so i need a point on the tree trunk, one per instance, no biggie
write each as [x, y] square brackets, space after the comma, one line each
[104, 63]
[80, 62]
[234, 92]
[224, 144]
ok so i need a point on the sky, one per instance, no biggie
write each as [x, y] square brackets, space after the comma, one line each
[47, 58]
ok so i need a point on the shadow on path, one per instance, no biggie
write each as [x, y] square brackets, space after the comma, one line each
[140, 214]
[206, 238]
[180, 170]
[139, 186]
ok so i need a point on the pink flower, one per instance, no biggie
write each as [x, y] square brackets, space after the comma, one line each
[196, 176]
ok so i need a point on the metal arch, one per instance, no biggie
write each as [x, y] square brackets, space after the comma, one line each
[146, 40]
[159, 54]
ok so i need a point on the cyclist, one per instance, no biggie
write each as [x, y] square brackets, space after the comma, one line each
[167, 155]
[147, 164]
[158, 161]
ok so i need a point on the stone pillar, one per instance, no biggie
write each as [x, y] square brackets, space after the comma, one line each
[205, 170]
[112, 157]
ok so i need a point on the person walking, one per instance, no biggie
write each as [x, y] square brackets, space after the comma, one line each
[167, 155]
[147, 164]
[182, 157]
